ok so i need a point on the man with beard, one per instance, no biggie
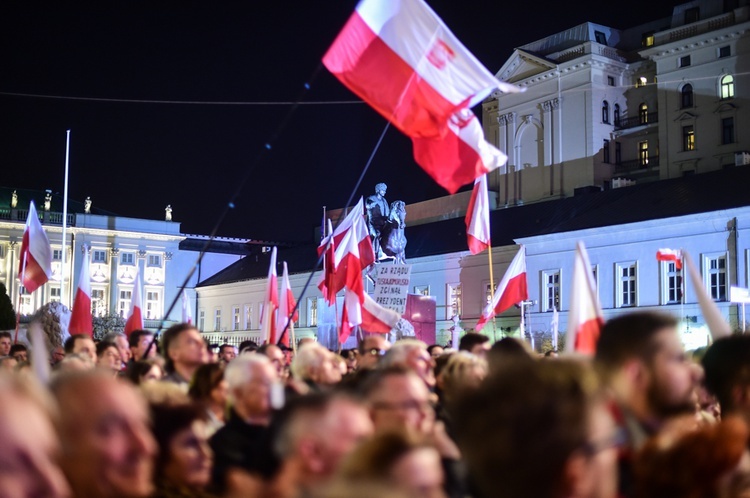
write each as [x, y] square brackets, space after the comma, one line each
[651, 379]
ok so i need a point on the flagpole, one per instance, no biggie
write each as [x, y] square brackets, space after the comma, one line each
[18, 313]
[63, 296]
[492, 288]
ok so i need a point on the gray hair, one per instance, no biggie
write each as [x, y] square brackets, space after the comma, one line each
[308, 358]
[240, 370]
[396, 356]
[110, 337]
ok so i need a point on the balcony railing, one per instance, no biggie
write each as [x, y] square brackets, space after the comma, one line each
[649, 164]
[46, 217]
[235, 337]
[640, 120]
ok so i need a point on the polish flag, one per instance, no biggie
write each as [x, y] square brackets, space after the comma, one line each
[671, 255]
[286, 305]
[35, 265]
[717, 324]
[81, 321]
[187, 314]
[511, 290]
[270, 304]
[585, 316]
[478, 217]
[368, 314]
[399, 57]
[326, 284]
[135, 315]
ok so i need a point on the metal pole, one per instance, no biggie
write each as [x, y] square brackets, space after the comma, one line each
[492, 289]
[63, 296]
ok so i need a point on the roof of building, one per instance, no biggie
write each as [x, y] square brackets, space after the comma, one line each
[25, 196]
[648, 201]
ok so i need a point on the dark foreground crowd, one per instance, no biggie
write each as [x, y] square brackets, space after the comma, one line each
[641, 419]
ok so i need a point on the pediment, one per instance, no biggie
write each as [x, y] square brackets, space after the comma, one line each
[725, 107]
[686, 116]
[522, 65]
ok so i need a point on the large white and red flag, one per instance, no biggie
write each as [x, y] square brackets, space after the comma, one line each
[511, 290]
[400, 58]
[187, 314]
[670, 255]
[478, 217]
[270, 304]
[367, 313]
[327, 248]
[585, 319]
[717, 324]
[35, 264]
[81, 320]
[135, 315]
[286, 305]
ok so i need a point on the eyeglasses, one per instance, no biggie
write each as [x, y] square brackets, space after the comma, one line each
[376, 352]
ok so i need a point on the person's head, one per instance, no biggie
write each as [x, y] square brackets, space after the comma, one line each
[250, 378]
[8, 364]
[314, 363]
[399, 400]
[316, 431]
[248, 346]
[183, 348]
[412, 354]
[371, 349]
[642, 359]
[350, 356]
[463, 371]
[209, 386]
[120, 340]
[81, 344]
[507, 349]
[532, 419]
[275, 354]
[142, 371]
[227, 352]
[28, 462]
[402, 459]
[108, 356]
[474, 343]
[185, 458]
[381, 188]
[727, 373]
[108, 449]
[20, 352]
[75, 362]
[139, 341]
[57, 355]
[5, 342]
[435, 350]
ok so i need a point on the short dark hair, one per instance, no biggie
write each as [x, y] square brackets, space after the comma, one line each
[70, 342]
[168, 419]
[137, 369]
[727, 365]
[226, 345]
[205, 380]
[135, 337]
[248, 345]
[168, 337]
[431, 347]
[17, 347]
[102, 346]
[471, 339]
[361, 345]
[630, 336]
[7, 334]
[263, 348]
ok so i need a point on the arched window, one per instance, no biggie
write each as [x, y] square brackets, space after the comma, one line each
[687, 96]
[727, 87]
[605, 112]
[617, 115]
[643, 114]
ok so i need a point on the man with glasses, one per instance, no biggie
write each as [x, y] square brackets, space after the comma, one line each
[371, 350]
[412, 354]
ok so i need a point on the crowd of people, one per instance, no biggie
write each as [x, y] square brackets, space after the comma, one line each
[641, 418]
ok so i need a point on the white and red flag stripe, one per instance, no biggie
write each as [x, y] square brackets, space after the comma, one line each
[511, 290]
[270, 304]
[81, 320]
[327, 248]
[35, 263]
[135, 315]
[478, 217]
[585, 316]
[187, 314]
[286, 305]
[671, 255]
[400, 58]
[367, 314]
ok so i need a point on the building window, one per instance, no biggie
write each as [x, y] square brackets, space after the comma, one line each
[99, 257]
[640, 81]
[57, 255]
[716, 277]
[154, 260]
[692, 15]
[201, 320]
[684, 61]
[453, 304]
[610, 81]
[152, 305]
[617, 114]
[727, 131]
[626, 284]
[248, 317]
[312, 311]
[724, 52]
[727, 87]
[686, 95]
[600, 37]
[260, 314]
[688, 138]
[605, 151]
[217, 320]
[551, 290]
[127, 258]
[643, 153]
[618, 153]
[672, 287]
[236, 318]
[54, 294]
[643, 114]
[605, 112]
[98, 304]
[647, 39]
[123, 303]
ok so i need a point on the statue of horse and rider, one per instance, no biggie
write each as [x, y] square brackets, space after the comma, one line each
[386, 224]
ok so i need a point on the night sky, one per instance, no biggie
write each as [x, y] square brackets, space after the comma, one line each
[135, 158]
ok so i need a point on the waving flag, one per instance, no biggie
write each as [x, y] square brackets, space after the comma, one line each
[270, 304]
[187, 315]
[511, 290]
[672, 255]
[81, 320]
[368, 314]
[400, 58]
[585, 316]
[286, 305]
[478, 217]
[35, 264]
[135, 315]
